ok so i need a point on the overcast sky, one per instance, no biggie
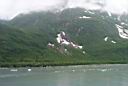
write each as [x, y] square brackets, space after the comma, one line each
[11, 8]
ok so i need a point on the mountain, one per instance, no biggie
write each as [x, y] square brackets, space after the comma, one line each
[71, 36]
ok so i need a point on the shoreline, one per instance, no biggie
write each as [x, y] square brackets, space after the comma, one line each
[16, 65]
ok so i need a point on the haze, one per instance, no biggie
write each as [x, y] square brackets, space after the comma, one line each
[11, 8]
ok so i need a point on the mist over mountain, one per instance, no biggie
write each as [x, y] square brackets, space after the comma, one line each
[12, 8]
[71, 36]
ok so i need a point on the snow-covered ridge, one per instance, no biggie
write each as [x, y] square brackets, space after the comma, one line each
[63, 39]
[123, 33]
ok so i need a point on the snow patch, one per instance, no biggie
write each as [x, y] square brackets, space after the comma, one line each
[84, 17]
[84, 52]
[80, 47]
[106, 39]
[123, 33]
[50, 44]
[85, 11]
[63, 33]
[114, 42]
[118, 18]
[109, 13]
[63, 40]
[59, 39]
[122, 23]
[91, 12]
[76, 46]
[65, 50]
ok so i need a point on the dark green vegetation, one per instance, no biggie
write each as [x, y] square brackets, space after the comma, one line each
[24, 39]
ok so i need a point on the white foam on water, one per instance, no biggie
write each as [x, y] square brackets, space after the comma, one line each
[13, 70]
[29, 70]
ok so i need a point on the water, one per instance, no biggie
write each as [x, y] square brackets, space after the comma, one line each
[89, 75]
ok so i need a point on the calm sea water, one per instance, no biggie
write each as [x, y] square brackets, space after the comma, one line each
[89, 75]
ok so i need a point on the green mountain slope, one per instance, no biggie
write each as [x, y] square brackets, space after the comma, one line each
[25, 39]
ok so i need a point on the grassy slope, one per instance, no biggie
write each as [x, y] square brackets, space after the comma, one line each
[26, 43]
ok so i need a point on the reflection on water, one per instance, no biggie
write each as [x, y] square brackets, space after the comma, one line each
[89, 75]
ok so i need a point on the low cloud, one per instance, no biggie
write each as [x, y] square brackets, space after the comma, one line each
[11, 8]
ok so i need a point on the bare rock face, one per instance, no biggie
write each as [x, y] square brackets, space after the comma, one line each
[62, 39]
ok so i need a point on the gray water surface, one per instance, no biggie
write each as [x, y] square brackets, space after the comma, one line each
[89, 75]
